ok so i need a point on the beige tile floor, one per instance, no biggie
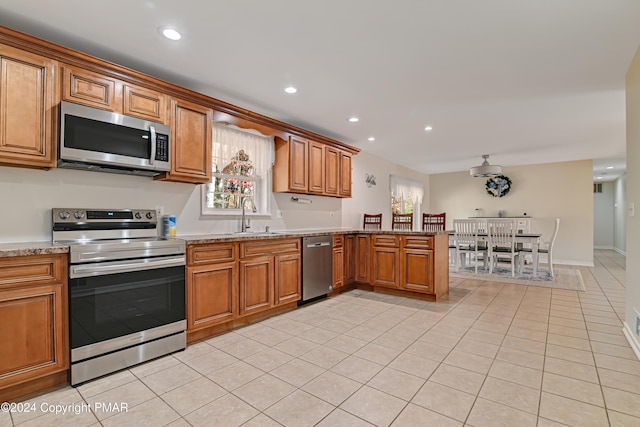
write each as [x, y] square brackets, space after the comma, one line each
[492, 354]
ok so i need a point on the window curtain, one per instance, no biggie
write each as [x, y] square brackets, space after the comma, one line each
[228, 140]
[404, 187]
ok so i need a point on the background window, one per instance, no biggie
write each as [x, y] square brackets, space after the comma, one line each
[242, 160]
[406, 197]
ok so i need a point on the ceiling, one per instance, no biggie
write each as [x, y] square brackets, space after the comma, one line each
[530, 81]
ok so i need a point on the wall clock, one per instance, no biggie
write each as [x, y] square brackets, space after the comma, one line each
[498, 186]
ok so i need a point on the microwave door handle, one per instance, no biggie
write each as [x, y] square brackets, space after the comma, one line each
[153, 145]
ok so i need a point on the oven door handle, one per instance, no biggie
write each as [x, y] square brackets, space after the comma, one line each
[87, 270]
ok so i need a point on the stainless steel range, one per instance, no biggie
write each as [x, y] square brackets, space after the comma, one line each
[126, 289]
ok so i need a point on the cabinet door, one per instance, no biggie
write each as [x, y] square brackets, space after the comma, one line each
[288, 277]
[298, 160]
[332, 170]
[34, 332]
[385, 266]
[191, 146]
[211, 294]
[316, 167]
[145, 104]
[92, 89]
[345, 174]
[27, 98]
[349, 256]
[417, 270]
[362, 259]
[338, 267]
[256, 285]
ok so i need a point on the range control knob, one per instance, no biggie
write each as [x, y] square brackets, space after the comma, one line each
[78, 214]
[149, 215]
[138, 215]
[63, 215]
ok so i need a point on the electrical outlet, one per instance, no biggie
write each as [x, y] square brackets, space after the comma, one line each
[332, 214]
[160, 212]
[637, 322]
[279, 214]
[632, 209]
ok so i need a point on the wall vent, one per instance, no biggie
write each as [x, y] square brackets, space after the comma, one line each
[597, 187]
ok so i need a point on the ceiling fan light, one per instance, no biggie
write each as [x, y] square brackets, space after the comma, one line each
[485, 170]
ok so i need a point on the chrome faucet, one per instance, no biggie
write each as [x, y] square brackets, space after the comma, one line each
[245, 222]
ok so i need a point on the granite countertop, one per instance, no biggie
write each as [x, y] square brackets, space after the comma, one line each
[32, 248]
[257, 235]
[48, 248]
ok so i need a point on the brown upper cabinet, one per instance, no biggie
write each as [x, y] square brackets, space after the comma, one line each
[191, 128]
[316, 168]
[291, 165]
[28, 97]
[310, 167]
[345, 174]
[37, 75]
[101, 91]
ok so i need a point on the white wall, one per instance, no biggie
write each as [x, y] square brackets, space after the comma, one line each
[604, 216]
[633, 197]
[545, 192]
[28, 195]
[620, 215]
[377, 198]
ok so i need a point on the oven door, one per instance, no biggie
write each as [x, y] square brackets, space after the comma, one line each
[117, 310]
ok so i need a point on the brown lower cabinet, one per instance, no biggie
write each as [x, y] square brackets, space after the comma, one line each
[413, 263]
[349, 255]
[212, 297]
[33, 323]
[230, 280]
[362, 258]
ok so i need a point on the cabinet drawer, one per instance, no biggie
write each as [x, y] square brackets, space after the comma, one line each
[92, 89]
[268, 247]
[417, 242]
[35, 269]
[145, 104]
[210, 253]
[387, 240]
[338, 240]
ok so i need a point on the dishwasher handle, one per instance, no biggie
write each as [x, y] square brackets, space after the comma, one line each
[318, 244]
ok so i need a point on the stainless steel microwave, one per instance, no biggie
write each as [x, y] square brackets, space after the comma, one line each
[99, 140]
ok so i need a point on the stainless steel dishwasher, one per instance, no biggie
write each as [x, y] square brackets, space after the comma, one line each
[317, 266]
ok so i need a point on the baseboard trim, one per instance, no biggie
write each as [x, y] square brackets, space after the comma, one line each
[620, 251]
[632, 339]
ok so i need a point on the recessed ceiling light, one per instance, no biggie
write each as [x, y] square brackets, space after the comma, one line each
[599, 177]
[371, 139]
[353, 119]
[428, 128]
[290, 89]
[170, 33]
[609, 167]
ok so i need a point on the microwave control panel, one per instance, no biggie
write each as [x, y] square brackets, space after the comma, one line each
[162, 147]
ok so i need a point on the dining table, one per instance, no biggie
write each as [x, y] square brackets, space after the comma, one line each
[525, 238]
[532, 239]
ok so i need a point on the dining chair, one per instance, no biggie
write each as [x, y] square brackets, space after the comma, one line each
[502, 243]
[403, 222]
[434, 222]
[546, 248]
[465, 239]
[372, 222]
